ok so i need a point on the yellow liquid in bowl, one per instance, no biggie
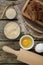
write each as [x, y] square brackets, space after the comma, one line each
[26, 42]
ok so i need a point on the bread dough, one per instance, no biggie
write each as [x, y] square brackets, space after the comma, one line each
[12, 30]
[11, 13]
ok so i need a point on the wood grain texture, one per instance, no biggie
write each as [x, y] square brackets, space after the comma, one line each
[5, 57]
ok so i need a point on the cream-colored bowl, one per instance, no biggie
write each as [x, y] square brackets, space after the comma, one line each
[11, 13]
[20, 42]
[12, 30]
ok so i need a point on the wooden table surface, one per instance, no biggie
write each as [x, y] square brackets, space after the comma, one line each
[6, 57]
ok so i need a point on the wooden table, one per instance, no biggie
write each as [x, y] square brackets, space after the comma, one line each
[6, 57]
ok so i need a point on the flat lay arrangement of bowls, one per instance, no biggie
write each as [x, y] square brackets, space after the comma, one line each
[26, 42]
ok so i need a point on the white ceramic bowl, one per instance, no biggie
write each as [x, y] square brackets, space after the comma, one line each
[11, 13]
[30, 46]
[12, 30]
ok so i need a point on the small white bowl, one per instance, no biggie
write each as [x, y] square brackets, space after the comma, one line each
[23, 46]
[11, 13]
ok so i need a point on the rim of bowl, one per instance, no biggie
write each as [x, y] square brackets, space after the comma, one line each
[24, 47]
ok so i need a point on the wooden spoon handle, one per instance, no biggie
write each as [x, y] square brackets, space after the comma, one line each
[34, 35]
[35, 29]
[11, 4]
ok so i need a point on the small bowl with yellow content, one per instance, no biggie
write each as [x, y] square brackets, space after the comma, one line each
[26, 42]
